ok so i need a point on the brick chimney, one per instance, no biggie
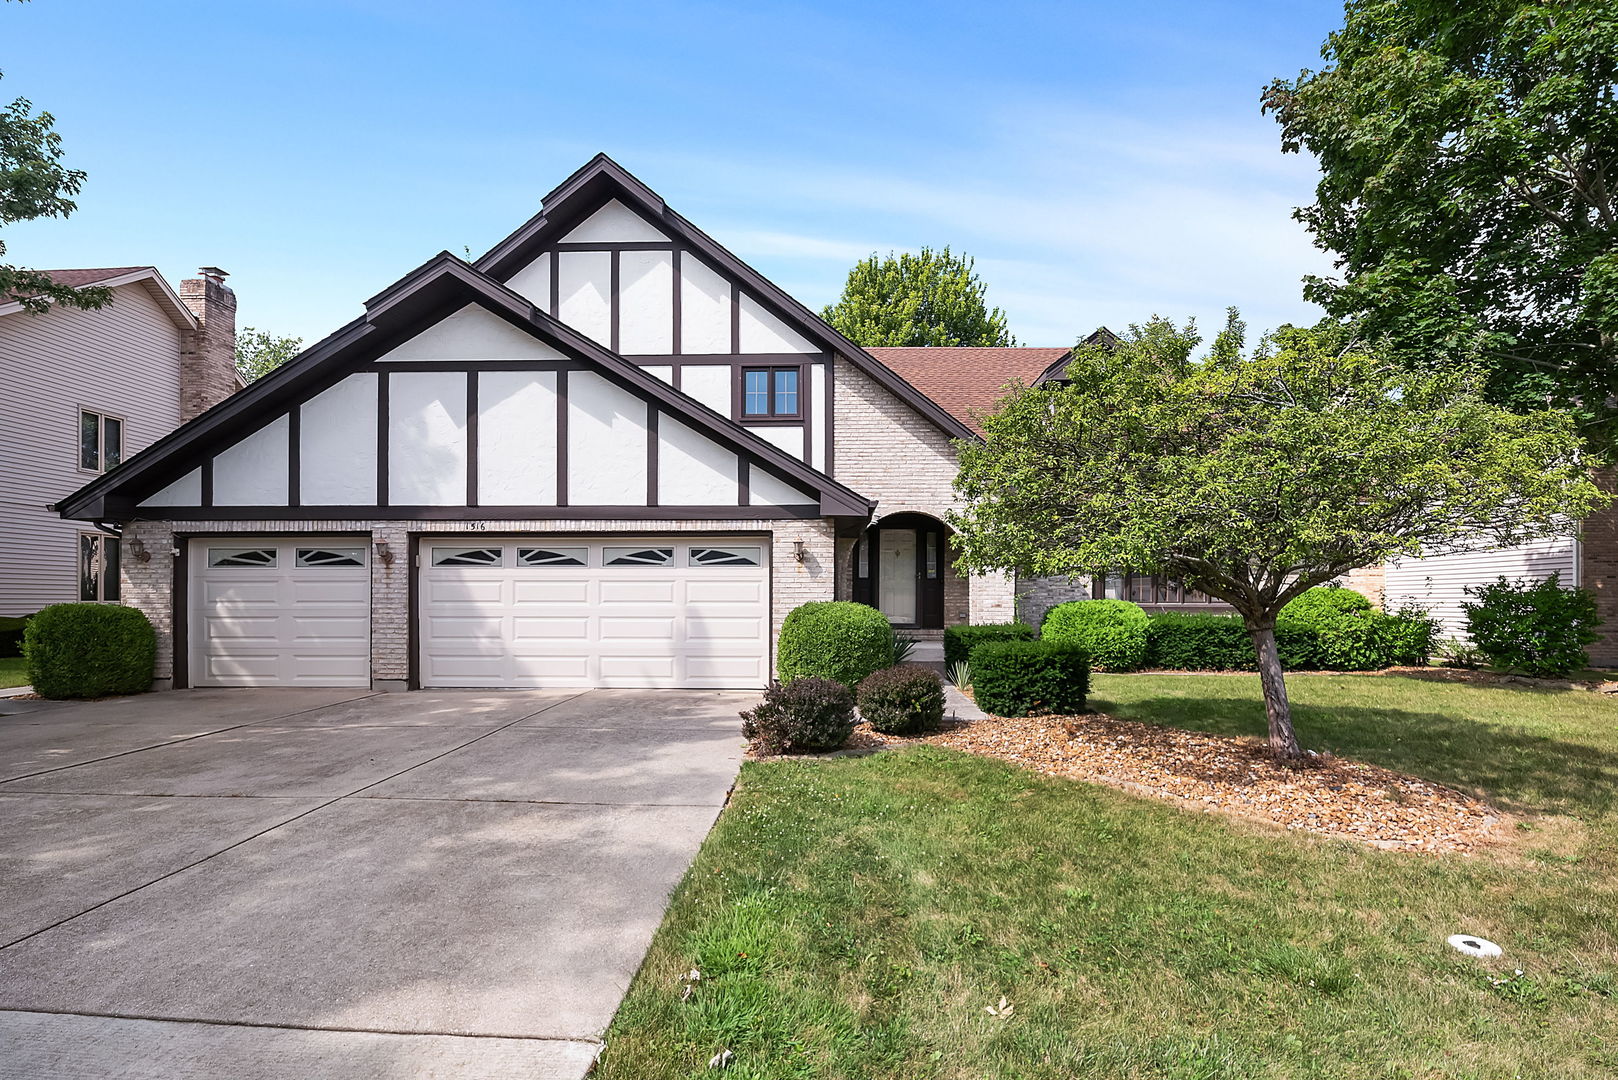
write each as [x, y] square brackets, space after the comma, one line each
[208, 355]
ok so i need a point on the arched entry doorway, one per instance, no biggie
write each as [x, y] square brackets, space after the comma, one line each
[899, 567]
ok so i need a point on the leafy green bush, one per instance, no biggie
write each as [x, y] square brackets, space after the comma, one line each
[11, 628]
[1536, 627]
[805, 715]
[959, 641]
[1017, 678]
[901, 699]
[1407, 637]
[1324, 603]
[1112, 633]
[834, 639]
[89, 650]
[1199, 642]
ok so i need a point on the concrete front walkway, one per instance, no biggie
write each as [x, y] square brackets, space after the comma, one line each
[278, 884]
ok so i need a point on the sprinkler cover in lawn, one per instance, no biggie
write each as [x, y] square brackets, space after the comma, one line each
[1472, 945]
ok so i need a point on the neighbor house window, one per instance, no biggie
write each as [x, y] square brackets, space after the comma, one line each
[770, 392]
[98, 567]
[101, 441]
[1148, 589]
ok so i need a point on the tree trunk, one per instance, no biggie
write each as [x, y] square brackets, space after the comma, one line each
[1283, 740]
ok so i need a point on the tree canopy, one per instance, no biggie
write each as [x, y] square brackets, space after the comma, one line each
[934, 298]
[1256, 475]
[34, 184]
[1469, 189]
[259, 352]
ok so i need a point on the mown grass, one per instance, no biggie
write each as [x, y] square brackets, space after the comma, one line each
[13, 672]
[853, 918]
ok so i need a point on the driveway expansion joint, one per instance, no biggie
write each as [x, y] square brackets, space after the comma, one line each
[264, 1025]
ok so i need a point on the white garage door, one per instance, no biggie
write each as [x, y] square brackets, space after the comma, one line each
[551, 611]
[280, 612]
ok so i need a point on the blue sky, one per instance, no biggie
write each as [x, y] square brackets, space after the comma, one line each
[1102, 161]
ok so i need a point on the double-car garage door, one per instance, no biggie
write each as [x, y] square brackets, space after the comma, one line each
[497, 612]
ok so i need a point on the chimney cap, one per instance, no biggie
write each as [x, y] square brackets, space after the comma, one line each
[212, 273]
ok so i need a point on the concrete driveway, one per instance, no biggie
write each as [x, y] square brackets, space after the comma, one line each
[313, 883]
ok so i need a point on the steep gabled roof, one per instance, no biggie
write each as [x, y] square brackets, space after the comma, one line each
[418, 300]
[969, 381]
[601, 178]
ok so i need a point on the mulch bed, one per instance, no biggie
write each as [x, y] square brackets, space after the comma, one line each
[1325, 795]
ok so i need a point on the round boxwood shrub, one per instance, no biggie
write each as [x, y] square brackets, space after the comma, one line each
[1325, 603]
[959, 641]
[806, 715]
[833, 639]
[1112, 633]
[1020, 678]
[89, 650]
[902, 699]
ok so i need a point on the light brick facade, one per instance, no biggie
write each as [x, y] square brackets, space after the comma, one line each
[149, 585]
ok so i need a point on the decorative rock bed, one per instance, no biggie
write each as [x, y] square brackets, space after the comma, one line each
[1215, 773]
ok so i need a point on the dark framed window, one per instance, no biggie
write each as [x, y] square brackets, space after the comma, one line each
[1149, 589]
[773, 393]
[98, 567]
[101, 441]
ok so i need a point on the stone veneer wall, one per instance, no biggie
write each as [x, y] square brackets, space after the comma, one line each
[149, 586]
[889, 452]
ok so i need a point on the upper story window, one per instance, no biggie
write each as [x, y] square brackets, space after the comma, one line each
[771, 392]
[101, 441]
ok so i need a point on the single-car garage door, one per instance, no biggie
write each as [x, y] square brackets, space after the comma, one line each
[274, 611]
[554, 611]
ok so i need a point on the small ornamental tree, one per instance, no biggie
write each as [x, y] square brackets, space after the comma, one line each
[1257, 476]
[934, 298]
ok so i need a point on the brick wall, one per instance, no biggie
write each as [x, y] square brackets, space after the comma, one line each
[208, 354]
[148, 586]
[1371, 581]
[1598, 572]
[888, 452]
[1036, 596]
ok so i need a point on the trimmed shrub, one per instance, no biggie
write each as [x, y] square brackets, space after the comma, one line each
[902, 699]
[833, 639]
[1325, 602]
[1407, 637]
[11, 628]
[959, 641]
[1112, 633]
[1536, 627]
[1019, 678]
[806, 715]
[89, 650]
[1200, 642]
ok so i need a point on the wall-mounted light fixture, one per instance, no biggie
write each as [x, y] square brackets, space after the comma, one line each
[384, 554]
[138, 549]
[797, 550]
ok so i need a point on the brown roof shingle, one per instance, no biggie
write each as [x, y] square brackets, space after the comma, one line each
[75, 279]
[966, 381]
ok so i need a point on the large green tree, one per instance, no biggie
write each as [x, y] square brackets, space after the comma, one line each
[934, 298]
[1469, 189]
[1254, 476]
[259, 352]
[34, 184]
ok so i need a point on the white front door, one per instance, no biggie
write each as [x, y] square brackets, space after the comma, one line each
[556, 611]
[278, 611]
[896, 574]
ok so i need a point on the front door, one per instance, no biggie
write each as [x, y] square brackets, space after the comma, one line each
[896, 575]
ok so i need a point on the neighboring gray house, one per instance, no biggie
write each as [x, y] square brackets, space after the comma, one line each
[84, 391]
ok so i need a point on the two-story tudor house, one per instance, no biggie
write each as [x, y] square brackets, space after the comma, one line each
[607, 453]
[85, 390]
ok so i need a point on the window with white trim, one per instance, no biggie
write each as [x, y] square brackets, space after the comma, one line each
[101, 441]
[99, 556]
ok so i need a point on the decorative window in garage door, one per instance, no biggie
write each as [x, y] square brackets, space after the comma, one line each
[715, 556]
[242, 557]
[635, 556]
[486, 556]
[561, 556]
[343, 556]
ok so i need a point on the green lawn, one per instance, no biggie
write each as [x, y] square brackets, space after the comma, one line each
[13, 672]
[852, 918]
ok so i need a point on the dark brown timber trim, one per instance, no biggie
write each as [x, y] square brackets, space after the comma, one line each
[735, 317]
[674, 344]
[181, 613]
[412, 612]
[382, 438]
[207, 480]
[483, 513]
[614, 304]
[471, 438]
[651, 454]
[295, 455]
[561, 438]
[744, 481]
